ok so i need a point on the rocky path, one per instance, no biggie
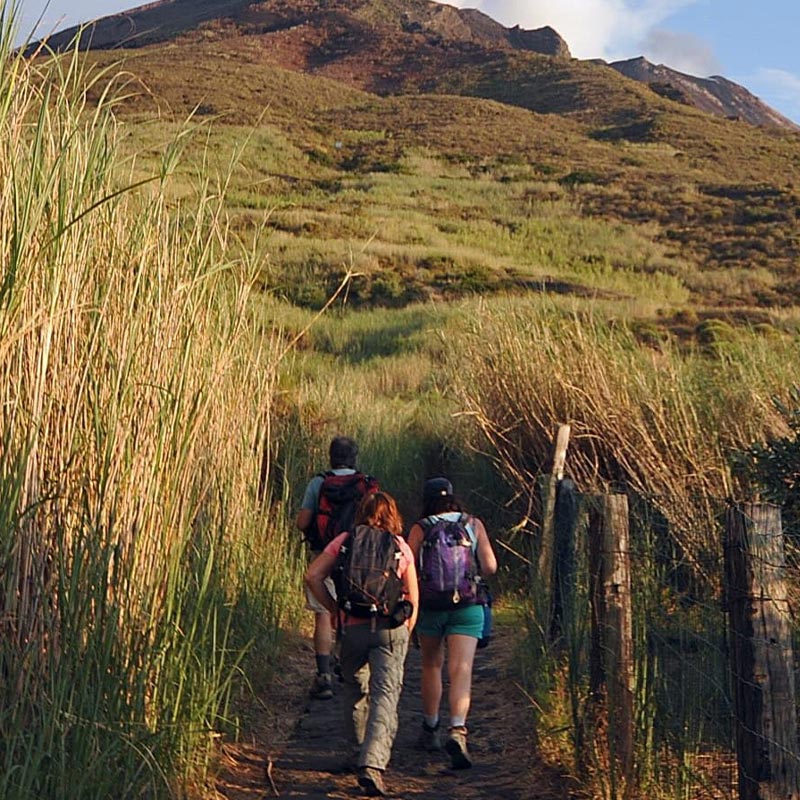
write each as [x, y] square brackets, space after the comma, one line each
[304, 760]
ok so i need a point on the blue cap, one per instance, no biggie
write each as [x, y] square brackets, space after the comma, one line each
[436, 487]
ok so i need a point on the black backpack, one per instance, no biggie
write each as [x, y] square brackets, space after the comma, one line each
[339, 496]
[366, 576]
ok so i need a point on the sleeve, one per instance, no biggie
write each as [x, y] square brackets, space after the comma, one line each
[335, 545]
[408, 556]
[311, 495]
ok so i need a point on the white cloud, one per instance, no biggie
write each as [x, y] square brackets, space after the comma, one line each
[681, 51]
[609, 29]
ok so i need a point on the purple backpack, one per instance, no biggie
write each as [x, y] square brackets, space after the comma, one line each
[447, 565]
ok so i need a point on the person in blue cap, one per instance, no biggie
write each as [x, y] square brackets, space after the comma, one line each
[454, 625]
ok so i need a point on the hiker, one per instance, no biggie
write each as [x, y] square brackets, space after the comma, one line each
[328, 507]
[450, 610]
[376, 609]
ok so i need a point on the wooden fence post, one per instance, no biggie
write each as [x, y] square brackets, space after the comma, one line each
[564, 614]
[546, 544]
[762, 660]
[611, 657]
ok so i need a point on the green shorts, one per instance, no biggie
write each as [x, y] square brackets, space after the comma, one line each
[467, 621]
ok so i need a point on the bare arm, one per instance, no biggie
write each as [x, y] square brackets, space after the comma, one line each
[411, 588]
[304, 519]
[415, 540]
[411, 577]
[486, 556]
[319, 569]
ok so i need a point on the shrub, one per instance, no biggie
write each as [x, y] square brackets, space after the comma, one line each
[773, 466]
[579, 177]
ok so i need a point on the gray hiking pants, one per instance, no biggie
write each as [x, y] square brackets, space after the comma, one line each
[372, 664]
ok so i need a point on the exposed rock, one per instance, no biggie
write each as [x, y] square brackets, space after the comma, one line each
[716, 95]
[542, 40]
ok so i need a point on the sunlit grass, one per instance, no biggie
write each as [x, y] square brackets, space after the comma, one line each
[135, 405]
[663, 422]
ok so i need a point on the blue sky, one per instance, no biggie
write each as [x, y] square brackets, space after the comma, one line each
[752, 43]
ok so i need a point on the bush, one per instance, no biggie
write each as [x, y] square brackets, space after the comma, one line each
[773, 467]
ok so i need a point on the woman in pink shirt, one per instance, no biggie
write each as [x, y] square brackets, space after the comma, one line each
[373, 649]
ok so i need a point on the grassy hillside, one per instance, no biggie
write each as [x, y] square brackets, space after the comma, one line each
[531, 173]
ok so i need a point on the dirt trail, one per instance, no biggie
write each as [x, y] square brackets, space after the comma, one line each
[295, 746]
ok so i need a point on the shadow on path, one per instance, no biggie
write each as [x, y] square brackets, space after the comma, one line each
[310, 764]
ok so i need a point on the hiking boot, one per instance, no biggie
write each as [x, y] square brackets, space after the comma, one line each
[456, 746]
[429, 738]
[321, 687]
[371, 781]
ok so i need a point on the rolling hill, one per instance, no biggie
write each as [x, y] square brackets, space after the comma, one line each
[365, 103]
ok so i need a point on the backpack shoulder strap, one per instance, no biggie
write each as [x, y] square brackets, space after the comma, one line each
[426, 523]
[323, 477]
[346, 546]
[466, 520]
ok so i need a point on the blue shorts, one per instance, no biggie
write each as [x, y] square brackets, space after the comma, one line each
[466, 621]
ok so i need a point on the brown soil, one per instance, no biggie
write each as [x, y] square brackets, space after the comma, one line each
[294, 746]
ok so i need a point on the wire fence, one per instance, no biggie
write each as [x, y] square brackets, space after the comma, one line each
[682, 682]
[687, 725]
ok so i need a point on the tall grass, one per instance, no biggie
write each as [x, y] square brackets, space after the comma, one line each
[135, 404]
[663, 425]
[380, 376]
[663, 422]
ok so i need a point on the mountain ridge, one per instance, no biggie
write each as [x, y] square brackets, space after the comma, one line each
[716, 94]
[336, 31]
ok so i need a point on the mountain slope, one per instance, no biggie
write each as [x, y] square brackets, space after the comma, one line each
[360, 41]
[388, 47]
[163, 20]
[467, 165]
[716, 95]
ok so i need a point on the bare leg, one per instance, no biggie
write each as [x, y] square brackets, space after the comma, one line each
[460, 655]
[432, 652]
[323, 634]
